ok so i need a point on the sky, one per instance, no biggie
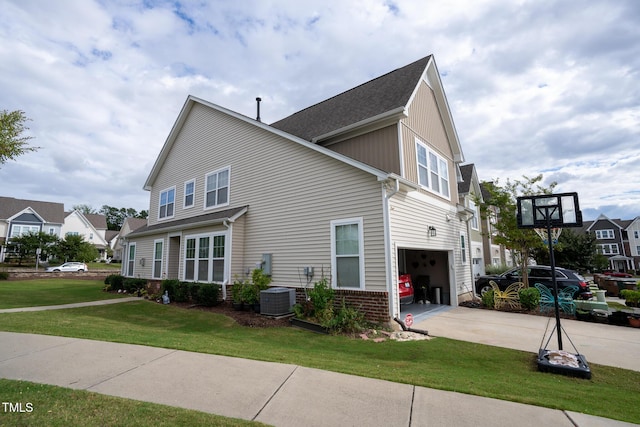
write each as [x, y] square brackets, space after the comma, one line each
[534, 87]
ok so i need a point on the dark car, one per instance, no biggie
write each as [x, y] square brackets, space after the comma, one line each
[537, 274]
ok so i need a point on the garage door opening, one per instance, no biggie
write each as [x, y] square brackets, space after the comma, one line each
[430, 277]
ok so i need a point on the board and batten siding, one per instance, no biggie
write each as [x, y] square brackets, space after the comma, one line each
[292, 193]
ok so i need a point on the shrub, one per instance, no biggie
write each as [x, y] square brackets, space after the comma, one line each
[131, 285]
[496, 269]
[4, 275]
[347, 320]
[321, 296]
[116, 281]
[529, 298]
[487, 299]
[207, 294]
[236, 291]
[169, 286]
[181, 292]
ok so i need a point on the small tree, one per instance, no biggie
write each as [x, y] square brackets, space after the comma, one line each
[12, 144]
[576, 251]
[26, 245]
[503, 202]
[74, 248]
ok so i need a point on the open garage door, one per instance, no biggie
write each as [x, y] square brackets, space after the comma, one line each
[429, 271]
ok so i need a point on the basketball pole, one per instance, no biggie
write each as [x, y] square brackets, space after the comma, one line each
[553, 276]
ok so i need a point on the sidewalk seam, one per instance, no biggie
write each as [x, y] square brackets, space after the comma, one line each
[413, 397]
[131, 369]
[274, 393]
[570, 419]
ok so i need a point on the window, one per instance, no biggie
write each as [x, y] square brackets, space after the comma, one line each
[217, 189]
[90, 236]
[131, 260]
[20, 230]
[635, 234]
[189, 189]
[52, 231]
[157, 259]
[71, 233]
[604, 234]
[433, 170]
[167, 202]
[204, 258]
[474, 220]
[608, 249]
[347, 253]
[463, 248]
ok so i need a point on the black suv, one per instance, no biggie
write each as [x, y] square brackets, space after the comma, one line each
[537, 274]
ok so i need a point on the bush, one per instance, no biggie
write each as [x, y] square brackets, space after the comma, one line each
[529, 298]
[4, 275]
[115, 281]
[487, 299]
[169, 286]
[347, 320]
[182, 292]
[207, 294]
[131, 285]
[496, 269]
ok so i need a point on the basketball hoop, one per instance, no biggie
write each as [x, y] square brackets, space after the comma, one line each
[555, 234]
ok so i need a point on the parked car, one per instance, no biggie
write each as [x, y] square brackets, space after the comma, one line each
[405, 289]
[616, 273]
[69, 266]
[537, 274]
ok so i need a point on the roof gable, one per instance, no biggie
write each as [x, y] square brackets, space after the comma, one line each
[50, 212]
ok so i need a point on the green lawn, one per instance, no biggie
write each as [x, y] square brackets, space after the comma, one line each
[35, 293]
[51, 406]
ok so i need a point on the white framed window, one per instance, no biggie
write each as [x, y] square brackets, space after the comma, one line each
[189, 193]
[20, 230]
[636, 233]
[167, 203]
[637, 251]
[608, 249]
[131, 260]
[463, 248]
[347, 253]
[433, 170]
[205, 258]
[52, 231]
[157, 258]
[216, 190]
[604, 234]
[475, 224]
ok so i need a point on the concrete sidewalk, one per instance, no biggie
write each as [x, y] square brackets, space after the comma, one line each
[277, 394]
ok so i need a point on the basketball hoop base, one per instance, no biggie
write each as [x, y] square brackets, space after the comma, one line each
[545, 364]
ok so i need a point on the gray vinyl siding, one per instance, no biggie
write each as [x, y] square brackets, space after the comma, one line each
[292, 192]
[378, 149]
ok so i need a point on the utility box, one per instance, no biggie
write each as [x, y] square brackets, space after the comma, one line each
[266, 264]
[277, 301]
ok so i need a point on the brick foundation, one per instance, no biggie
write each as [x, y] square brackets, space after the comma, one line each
[374, 305]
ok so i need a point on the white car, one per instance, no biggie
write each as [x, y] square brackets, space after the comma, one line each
[69, 266]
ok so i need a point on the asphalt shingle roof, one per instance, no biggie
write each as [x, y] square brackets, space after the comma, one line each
[51, 212]
[370, 99]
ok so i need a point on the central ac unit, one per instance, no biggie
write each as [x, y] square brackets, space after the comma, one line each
[277, 301]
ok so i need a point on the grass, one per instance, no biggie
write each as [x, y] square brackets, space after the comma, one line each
[439, 363]
[51, 406]
[35, 293]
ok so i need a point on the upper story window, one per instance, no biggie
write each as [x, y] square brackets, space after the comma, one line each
[167, 203]
[433, 170]
[19, 230]
[604, 234]
[217, 189]
[189, 192]
[474, 220]
[635, 234]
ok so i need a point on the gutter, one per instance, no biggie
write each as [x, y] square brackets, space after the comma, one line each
[387, 243]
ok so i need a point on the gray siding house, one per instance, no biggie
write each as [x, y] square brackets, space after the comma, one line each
[359, 188]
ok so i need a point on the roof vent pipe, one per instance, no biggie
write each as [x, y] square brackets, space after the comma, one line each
[258, 99]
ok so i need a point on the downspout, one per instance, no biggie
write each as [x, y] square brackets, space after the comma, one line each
[230, 229]
[393, 305]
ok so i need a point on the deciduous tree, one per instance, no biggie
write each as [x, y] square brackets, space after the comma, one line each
[12, 143]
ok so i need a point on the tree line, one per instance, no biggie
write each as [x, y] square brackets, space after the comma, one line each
[72, 247]
[115, 216]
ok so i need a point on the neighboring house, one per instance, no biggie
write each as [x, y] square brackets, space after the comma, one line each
[92, 227]
[358, 188]
[612, 240]
[494, 253]
[130, 224]
[18, 217]
[633, 235]
[469, 193]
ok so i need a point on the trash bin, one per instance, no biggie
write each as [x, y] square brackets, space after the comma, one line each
[436, 292]
[600, 295]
